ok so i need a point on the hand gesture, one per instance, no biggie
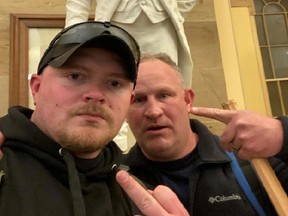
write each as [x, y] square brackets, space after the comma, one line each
[251, 134]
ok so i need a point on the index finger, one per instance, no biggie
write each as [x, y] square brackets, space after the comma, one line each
[221, 115]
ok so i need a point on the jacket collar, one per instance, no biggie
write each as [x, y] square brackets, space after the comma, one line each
[208, 145]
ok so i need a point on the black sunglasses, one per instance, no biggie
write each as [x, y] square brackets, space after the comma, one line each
[82, 32]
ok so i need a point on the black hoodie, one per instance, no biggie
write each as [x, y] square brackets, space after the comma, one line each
[40, 180]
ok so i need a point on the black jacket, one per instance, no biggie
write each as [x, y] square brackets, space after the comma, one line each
[203, 180]
[280, 161]
[40, 181]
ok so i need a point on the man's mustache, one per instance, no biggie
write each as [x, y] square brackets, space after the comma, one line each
[92, 110]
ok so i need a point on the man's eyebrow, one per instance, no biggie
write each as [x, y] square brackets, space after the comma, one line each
[140, 93]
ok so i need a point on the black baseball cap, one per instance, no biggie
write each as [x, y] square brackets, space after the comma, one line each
[92, 34]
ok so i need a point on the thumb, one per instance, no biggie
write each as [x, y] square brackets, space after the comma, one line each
[218, 114]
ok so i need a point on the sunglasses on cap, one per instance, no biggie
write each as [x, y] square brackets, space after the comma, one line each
[92, 34]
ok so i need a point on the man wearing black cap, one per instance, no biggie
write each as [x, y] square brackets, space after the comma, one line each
[59, 159]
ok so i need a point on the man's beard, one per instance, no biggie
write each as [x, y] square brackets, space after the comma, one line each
[83, 142]
[91, 137]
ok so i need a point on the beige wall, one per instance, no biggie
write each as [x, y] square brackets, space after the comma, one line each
[201, 30]
[208, 77]
[15, 6]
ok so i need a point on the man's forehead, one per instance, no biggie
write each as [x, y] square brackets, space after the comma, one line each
[153, 88]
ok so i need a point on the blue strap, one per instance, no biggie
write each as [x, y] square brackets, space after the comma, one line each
[244, 184]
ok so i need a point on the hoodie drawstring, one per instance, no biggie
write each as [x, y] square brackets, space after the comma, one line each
[74, 183]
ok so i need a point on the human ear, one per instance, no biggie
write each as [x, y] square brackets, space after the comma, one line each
[189, 98]
[35, 82]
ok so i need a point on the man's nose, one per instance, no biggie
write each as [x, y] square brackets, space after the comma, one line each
[94, 93]
[153, 109]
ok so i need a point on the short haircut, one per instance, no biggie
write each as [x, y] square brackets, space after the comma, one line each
[167, 60]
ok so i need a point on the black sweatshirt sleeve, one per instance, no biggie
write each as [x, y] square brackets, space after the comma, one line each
[283, 154]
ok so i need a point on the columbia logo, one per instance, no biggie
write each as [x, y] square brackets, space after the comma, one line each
[223, 198]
